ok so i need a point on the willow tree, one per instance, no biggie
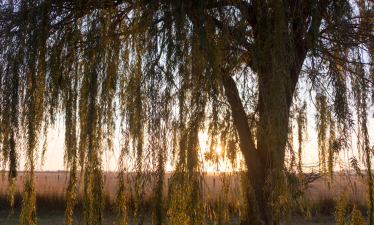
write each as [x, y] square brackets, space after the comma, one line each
[169, 70]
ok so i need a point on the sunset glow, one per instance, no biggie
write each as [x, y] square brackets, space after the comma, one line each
[218, 149]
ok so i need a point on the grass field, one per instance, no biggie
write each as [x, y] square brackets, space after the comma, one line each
[56, 183]
[50, 188]
[53, 218]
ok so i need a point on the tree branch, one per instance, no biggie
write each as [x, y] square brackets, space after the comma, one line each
[247, 146]
[235, 34]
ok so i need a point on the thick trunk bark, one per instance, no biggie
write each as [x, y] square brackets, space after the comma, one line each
[255, 163]
[269, 154]
[262, 201]
[260, 160]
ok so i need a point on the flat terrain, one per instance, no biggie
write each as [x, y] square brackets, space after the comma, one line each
[56, 183]
[53, 218]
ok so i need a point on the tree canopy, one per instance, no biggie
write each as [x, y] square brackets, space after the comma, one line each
[168, 70]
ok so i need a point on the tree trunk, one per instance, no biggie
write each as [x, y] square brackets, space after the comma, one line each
[262, 201]
[275, 98]
[254, 161]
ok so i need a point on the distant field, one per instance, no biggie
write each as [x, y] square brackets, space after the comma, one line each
[56, 183]
[325, 189]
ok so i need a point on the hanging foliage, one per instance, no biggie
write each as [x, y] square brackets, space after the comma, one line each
[164, 72]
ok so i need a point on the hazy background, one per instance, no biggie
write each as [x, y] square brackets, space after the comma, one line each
[55, 151]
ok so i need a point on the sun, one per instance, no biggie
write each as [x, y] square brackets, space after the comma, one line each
[219, 149]
[223, 164]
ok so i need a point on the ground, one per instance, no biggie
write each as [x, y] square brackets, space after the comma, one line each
[54, 218]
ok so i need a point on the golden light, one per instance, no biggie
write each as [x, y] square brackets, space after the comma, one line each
[223, 166]
[219, 149]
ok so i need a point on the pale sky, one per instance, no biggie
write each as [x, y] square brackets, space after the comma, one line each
[55, 151]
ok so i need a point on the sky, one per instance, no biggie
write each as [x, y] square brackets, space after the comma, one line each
[55, 151]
